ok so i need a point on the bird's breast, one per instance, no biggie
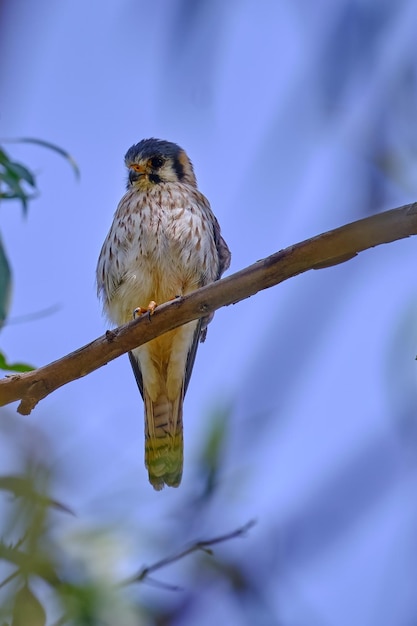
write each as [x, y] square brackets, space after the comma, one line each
[171, 239]
[162, 246]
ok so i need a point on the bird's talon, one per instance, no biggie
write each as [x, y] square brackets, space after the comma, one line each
[151, 307]
[149, 310]
[138, 311]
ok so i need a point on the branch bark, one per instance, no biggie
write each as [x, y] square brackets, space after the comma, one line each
[330, 248]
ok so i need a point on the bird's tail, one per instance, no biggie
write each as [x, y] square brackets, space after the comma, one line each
[163, 440]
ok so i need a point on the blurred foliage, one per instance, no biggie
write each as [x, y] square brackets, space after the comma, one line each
[5, 284]
[55, 570]
[41, 572]
[210, 464]
[17, 182]
[27, 609]
[14, 367]
[22, 545]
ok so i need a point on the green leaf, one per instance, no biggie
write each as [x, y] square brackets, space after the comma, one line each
[82, 602]
[22, 486]
[13, 174]
[211, 459]
[216, 438]
[3, 156]
[50, 146]
[15, 170]
[5, 285]
[27, 609]
[16, 191]
[20, 172]
[14, 367]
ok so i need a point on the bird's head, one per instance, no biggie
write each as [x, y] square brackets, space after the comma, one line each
[154, 161]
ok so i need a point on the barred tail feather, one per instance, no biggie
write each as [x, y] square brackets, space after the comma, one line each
[163, 440]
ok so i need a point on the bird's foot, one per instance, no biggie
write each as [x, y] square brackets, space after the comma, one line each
[149, 310]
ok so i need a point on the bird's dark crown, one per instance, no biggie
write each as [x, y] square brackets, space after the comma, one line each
[148, 148]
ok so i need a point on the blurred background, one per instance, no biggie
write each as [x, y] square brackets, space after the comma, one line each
[301, 412]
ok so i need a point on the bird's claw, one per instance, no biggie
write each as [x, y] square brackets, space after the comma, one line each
[149, 310]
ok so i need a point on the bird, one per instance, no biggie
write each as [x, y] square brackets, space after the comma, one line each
[164, 242]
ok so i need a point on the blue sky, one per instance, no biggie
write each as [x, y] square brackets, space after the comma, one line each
[298, 119]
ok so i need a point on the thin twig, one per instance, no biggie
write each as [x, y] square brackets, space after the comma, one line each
[330, 248]
[32, 317]
[7, 580]
[144, 573]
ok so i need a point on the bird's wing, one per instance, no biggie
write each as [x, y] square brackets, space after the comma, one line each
[223, 252]
[136, 371]
[222, 249]
[224, 258]
[191, 355]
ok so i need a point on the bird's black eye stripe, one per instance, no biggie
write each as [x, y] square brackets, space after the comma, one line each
[179, 168]
[156, 162]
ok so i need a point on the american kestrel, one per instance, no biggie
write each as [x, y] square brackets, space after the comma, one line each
[164, 242]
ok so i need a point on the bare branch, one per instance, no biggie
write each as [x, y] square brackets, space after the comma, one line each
[330, 248]
[205, 546]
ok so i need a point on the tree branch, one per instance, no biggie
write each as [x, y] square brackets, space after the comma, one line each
[204, 545]
[330, 248]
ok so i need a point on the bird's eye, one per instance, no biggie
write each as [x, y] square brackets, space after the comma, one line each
[156, 162]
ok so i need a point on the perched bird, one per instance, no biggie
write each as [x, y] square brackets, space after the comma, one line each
[163, 243]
